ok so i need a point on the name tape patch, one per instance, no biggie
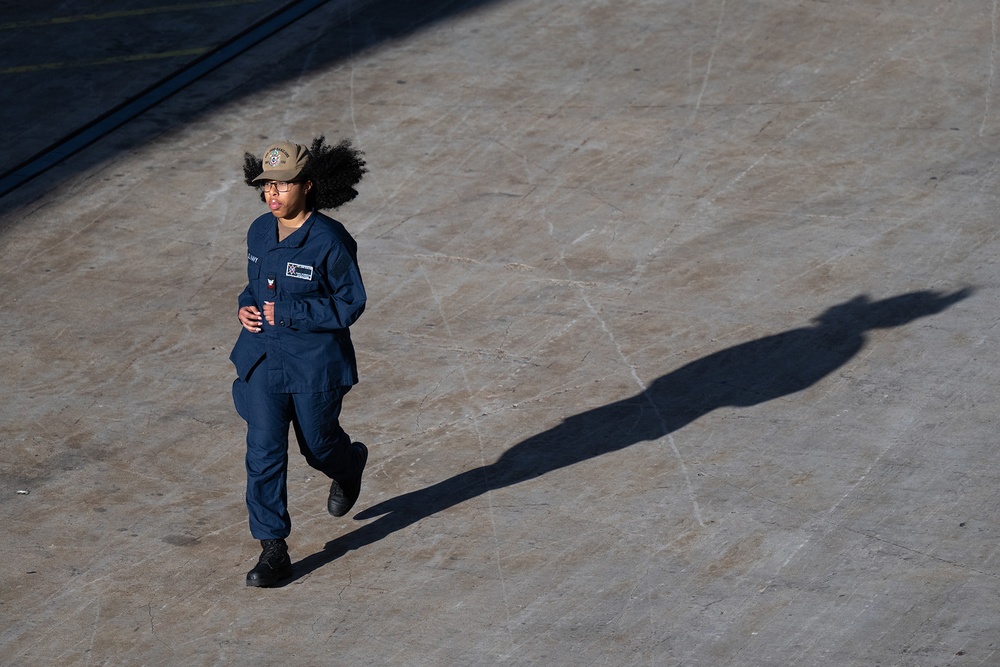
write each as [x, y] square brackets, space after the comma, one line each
[300, 271]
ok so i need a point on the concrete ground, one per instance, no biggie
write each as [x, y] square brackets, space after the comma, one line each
[681, 346]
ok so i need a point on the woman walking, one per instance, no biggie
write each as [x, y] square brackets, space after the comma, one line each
[294, 357]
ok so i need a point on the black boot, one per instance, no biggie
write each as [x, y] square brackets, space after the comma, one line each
[344, 494]
[273, 566]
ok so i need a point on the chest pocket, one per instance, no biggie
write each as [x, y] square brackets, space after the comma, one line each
[300, 288]
[253, 273]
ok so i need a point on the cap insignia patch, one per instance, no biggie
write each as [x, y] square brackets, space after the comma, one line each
[274, 157]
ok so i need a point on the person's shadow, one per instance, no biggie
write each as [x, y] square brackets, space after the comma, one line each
[743, 375]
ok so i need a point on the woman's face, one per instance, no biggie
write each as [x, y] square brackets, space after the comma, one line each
[286, 205]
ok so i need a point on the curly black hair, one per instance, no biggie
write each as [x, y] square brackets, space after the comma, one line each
[333, 170]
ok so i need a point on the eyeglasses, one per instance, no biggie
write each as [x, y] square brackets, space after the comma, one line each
[280, 186]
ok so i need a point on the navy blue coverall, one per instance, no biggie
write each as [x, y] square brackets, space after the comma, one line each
[297, 371]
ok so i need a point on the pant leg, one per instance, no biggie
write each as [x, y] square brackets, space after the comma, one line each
[267, 416]
[322, 441]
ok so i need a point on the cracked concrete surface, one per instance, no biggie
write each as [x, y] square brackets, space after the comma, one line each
[681, 347]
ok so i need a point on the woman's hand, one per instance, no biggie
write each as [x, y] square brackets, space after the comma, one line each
[251, 319]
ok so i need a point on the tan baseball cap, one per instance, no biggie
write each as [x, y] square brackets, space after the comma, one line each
[283, 161]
